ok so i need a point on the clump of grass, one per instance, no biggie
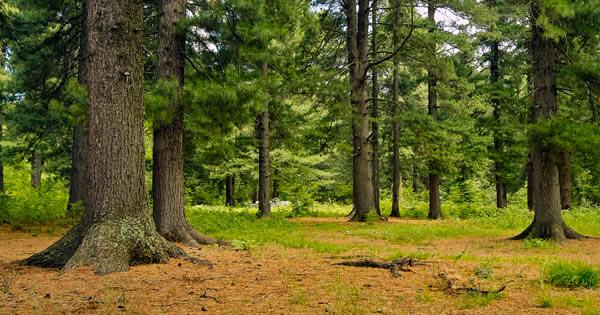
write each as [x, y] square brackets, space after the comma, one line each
[484, 271]
[298, 296]
[572, 275]
[536, 243]
[545, 301]
[6, 281]
[472, 300]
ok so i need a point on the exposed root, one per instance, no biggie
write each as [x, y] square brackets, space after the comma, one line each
[556, 232]
[108, 247]
[395, 267]
[367, 217]
[57, 255]
[187, 235]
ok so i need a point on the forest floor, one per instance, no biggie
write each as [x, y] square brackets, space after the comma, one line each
[277, 279]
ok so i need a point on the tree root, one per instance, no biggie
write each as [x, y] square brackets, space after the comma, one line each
[556, 232]
[108, 247]
[187, 235]
[395, 267]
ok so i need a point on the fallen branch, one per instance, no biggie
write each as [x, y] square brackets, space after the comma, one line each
[395, 267]
[206, 296]
[445, 283]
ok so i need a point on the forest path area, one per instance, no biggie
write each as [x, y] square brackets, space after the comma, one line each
[275, 279]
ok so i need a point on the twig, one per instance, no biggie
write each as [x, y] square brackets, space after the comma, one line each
[206, 296]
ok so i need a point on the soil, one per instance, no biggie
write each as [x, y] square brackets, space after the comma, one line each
[275, 280]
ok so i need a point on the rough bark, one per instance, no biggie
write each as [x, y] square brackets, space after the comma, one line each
[435, 210]
[501, 201]
[230, 190]
[167, 151]
[3, 51]
[36, 169]
[564, 176]
[77, 183]
[357, 16]
[116, 229]
[547, 222]
[375, 114]
[396, 174]
[264, 193]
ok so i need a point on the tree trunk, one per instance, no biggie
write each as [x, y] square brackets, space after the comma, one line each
[230, 190]
[275, 194]
[396, 175]
[264, 193]
[501, 201]
[357, 40]
[564, 176]
[547, 222]
[167, 152]
[116, 229]
[375, 114]
[77, 183]
[36, 169]
[531, 185]
[3, 51]
[435, 210]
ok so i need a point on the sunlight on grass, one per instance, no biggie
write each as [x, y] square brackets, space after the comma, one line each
[572, 274]
[473, 300]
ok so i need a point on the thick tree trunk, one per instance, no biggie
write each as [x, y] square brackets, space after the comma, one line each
[264, 193]
[396, 175]
[167, 151]
[435, 210]
[531, 185]
[564, 175]
[547, 222]
[230, 190]
[37, 164]
[375, 114]
[501, 201]
[77, 183]
[3, 51]
[357, 40]
[116, 229]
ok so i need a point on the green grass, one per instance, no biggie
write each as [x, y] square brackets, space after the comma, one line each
[572, 274]
[584, 304]
[473, 300]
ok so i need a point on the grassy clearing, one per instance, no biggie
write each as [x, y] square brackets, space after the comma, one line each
[327, 237]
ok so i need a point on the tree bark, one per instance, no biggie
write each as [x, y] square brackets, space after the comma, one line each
[167, 152]
[564, 175]
[264, 193]
[547, 222]
[116, 229]
[357, 16]
[501, 201]
[3, 51]
[375, 114]
[230, 190]
[37, 164]
[435, 210]
[396, 174]
[77, 183]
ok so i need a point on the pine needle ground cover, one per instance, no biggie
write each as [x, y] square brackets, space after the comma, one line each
[286, 264]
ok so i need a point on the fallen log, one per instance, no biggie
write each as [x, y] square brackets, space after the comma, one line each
[395, 267]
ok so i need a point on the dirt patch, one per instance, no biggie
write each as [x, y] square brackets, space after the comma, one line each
[267, 279]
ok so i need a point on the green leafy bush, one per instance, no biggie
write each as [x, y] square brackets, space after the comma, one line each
[23, 205]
